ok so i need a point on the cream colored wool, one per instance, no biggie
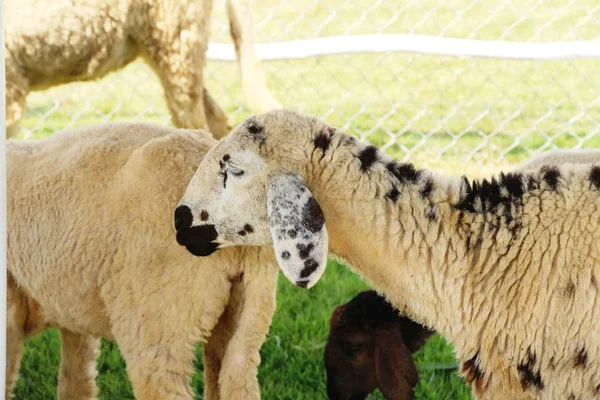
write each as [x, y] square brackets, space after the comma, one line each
[507, 270]
[92, 252]
[51, 42]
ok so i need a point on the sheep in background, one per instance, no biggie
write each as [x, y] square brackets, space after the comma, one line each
[51, 42]
[369, 346]
[91, 252]
[505, 269]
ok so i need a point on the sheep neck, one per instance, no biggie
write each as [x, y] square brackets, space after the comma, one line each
[398, 230]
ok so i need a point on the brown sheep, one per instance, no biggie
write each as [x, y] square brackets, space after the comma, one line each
[51, 42]
[369, 346]
[91, 252]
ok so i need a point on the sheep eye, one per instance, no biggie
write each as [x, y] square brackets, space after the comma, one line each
[235, 171]
[352, 348]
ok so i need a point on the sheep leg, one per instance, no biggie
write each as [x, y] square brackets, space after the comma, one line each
[238, 378]
[215, 347]
[22, 320]
[255, 89]
[15, 321]
[16, 93]
[77, 376]
[217, 119]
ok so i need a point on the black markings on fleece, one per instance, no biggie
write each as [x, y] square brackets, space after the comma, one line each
[256, 130]
[404, 172]
[285, 255]
[323, 140]
[368, 156]
[595, 176]
[393, 194]
[570, 289]
[472, 372]
[505, 190]
[550, 175]
[581, 358]
[528, 376]
[427, 188]
[226, 157]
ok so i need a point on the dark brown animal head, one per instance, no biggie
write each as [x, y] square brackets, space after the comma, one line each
[369, 347]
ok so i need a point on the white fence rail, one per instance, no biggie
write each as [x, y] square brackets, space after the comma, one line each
[467, 85]
[420, 44]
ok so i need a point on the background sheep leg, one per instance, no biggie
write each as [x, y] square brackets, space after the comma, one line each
[16, 93]
[255, 89]
[77, 376]
[215, 347]
[238, 378]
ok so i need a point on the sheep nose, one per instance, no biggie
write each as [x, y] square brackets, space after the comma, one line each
[183, 218]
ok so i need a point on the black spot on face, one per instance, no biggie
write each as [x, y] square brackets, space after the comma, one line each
[581, 358]
[322, 141]
[204, 215]
[404, 172]
[368, 156]
[242, 233]
[472, 372]
[595, 176]
[226, 157]
[292, 233]
[550, 176]
[248, 228]
[310, 266]
[393, 194]
[312, 216]
[527, 376]
[285, 255]
[304, 250]
[221, 165]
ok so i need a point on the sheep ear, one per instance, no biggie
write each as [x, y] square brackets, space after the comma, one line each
[394, 367]
[298, 229]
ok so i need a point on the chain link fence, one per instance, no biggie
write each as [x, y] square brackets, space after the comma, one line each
[463, 114]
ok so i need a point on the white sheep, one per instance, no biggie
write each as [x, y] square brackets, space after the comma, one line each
[51, 42]
[92, 252]
[506, 269]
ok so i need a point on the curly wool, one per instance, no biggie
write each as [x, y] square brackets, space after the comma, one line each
[92, 252]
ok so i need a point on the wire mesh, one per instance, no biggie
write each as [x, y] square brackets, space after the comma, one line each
[463, 114]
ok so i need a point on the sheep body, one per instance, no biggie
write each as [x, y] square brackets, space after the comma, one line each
[61, 41]
[506, 269]
[91, 251]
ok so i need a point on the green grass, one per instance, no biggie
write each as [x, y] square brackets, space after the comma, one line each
[461, 115]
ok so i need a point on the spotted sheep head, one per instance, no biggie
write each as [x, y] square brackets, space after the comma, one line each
[250, 190]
